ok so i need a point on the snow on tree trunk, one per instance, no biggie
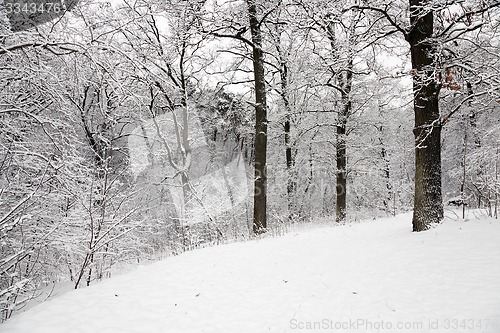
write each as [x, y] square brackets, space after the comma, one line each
[260, 163]
[428, 205]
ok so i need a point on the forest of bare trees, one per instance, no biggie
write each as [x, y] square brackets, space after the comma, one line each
[134, 130]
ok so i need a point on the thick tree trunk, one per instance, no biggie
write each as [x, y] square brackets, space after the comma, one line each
[260, 163]
[341, 158]
[290, 186]
[428, 205]
[345, 86]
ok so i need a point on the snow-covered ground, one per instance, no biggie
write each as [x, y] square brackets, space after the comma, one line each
[364, 277]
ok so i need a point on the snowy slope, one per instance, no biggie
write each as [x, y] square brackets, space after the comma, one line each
[365, 277]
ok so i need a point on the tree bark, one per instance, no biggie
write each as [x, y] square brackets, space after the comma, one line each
[291, 185]
[345, 86]
[386, 170]
[291, 181]
[341, 161]
[260, 162]
[428, 205]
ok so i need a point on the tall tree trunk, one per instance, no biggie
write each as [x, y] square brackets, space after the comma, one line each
[345, 87]
[341, 160]
[464, 166]
[428, 205]
[183, 136]
[386, 170]
[260, 163]
[291, 181]
[291, 185]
